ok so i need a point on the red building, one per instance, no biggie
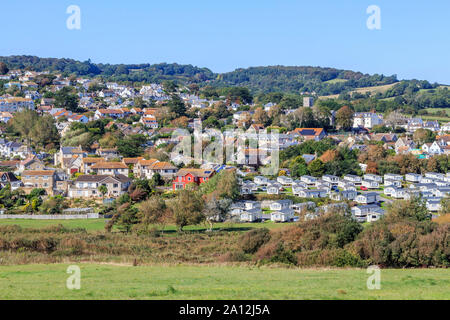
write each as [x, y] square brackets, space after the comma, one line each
[189, 175]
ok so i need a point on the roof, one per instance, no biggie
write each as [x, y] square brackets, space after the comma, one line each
[110, 165]
[195, 172]
[93, 160]
[38, 173]
[98, 178]
[309, 131]
[132, 160]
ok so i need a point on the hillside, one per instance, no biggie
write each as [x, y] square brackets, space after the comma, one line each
[323, 81]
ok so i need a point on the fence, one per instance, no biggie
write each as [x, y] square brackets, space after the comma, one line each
[51, 217]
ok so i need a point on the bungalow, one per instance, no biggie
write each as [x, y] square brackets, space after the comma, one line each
[331, 179]
[281, 205]
[316, 193]
[343, 195]
[362, 213]
[370, 184]
[260, 180]
[284, 180]
[442, 192]
[308, 180]
[108, 113]
[392, 176]
[395, 183]
[148, 168]
[435, 175]
[303, 206]
[284, 215]
[434, 205]
[413, 177]
[373, 177]
[251, 215]
[273, 188]
[352, 178]
[367, 198]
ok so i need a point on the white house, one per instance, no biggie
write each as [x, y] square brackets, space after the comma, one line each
[392, 176]
[284, 180]
[260, 180]
[367, 198]
[281, 205]
[251, 215]
[373, 177]
[413, 177]
[370, 184]
[284, 215]
[389, 182]
[353, 179]
[308, 180]
[331, 179]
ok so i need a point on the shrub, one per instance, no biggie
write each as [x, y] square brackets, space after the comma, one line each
[251, 241]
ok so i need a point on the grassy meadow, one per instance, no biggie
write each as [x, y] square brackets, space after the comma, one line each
[103, 281]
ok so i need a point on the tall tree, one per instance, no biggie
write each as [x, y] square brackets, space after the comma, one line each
[344, 117]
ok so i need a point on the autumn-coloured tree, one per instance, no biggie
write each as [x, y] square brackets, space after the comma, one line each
[344, 117]
[329, 155]
[372, 167]
[260, 116]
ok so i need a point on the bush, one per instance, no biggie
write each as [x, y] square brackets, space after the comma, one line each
[254, 239]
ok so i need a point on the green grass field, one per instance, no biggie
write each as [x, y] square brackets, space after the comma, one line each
[218, 282]
[99, 225]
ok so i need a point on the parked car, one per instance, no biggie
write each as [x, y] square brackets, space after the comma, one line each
[364, 188]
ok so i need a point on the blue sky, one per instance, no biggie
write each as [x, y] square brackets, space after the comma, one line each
[224, 35]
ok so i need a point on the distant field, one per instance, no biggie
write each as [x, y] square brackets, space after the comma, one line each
[336, 81]
[363, 90]
[218, 282]
[99, 224]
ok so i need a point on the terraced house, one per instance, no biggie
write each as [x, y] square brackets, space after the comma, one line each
[110, 168]
[147, 168]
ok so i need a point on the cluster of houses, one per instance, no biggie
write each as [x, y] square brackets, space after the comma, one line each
[366, 192]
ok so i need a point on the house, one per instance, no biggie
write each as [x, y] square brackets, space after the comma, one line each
[187, 176]
[280, 205]
[109, 113]
[285, 181]
[403, 145]
[284, 215]
[149, 122]
[108, 153]
[78, 118]
[273, 188]
[251, 215]
[31, 163]
[373, 177]
[260, 180]
[395, 183]
[353, 179]
[413, 177]
[316, 193]
[43, 179]
[67, 153]
[434, 205]
[87, 163]
[309, 133]
[442, 192]
[343, 195]
[362, 213]
[367, 198]
[367, 120]
[435, 176]
[392, 176]
[308, 180]
[87, 186]
[110, 168]
[303, 206]
[147, 168]
[8, 178]
[370, 184]
[331, 179]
